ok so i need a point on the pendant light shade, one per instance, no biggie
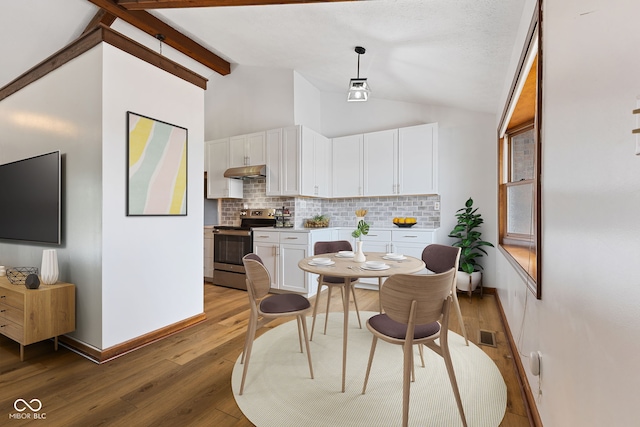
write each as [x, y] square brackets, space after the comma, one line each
[359, 89]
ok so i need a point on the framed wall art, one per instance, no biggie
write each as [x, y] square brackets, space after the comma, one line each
[156, 167]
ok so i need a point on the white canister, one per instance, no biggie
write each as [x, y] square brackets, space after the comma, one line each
[49, 270]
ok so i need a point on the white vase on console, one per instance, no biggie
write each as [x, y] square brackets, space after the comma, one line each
[359, 256]
[49, 269]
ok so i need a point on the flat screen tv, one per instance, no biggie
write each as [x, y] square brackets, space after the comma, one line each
[30, 198]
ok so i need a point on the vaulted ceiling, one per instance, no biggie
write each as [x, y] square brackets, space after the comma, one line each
[440, 52]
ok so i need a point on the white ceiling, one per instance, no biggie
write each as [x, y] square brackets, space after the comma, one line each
[442, 52]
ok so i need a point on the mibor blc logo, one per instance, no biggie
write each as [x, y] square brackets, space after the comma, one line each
[28, 410]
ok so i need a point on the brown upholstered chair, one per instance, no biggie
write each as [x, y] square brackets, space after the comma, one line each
[440, 258]
[416, 312]
[269, 307]
[331, 282]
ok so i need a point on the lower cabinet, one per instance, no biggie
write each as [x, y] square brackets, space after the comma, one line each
[208, 253]
[281, 251]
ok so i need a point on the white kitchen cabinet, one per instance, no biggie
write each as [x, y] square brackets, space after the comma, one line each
[283, 161]
[408, 241]
[315, 164]
[381, 163]
[217, 161]
[347, 166]
[418, 159]
[208, 253]
[377, 241]
[281, 251]
[247, 150]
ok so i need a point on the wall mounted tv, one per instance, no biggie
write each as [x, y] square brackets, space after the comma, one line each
[30, 199]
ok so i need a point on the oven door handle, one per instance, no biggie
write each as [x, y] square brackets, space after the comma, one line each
[232, 232]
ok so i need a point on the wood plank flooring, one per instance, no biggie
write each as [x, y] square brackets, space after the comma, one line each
[184, 379]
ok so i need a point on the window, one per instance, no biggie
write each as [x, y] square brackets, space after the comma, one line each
[519, 176]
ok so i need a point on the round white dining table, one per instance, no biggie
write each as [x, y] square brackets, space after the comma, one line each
[347, 268]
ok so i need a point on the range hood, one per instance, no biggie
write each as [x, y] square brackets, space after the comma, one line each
[246, 172]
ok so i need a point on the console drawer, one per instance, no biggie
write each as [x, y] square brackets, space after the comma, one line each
[12, 330]
[12, 298]
[10, 313]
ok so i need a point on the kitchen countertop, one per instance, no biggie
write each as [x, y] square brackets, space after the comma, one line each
[307, 230]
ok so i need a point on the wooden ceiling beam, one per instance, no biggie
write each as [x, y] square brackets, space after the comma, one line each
[165, 4]
[102, 17]
[153, 26]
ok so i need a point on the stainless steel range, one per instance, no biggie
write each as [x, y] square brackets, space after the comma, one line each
[231, 243]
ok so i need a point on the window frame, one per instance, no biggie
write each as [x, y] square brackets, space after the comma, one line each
[513, 248]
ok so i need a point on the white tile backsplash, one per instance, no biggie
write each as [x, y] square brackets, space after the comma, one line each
[341, 212]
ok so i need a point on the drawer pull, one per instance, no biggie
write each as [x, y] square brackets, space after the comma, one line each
[410, 236]
[292, 238]
[262, 237]
[2, 311]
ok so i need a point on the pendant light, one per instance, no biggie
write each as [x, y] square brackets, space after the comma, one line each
[359, 89]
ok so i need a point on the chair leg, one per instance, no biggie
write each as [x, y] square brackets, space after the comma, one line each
[444, 345]
[421, 351]
[300, 333]
[355, 303]
[379, 288]
[406, 381]
[373, 350]
[303, 321]
[460, 320]
[326, 317]
[251, 333]
[315, 310]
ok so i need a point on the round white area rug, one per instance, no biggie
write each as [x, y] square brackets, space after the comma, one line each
[279, 391]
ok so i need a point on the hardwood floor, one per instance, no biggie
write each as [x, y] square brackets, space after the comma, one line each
[185, 379]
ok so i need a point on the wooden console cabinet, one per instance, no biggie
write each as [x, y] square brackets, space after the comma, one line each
[31, 315]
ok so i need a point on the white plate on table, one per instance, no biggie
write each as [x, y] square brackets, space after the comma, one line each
[321, 264]
[345, 254]
[394, 257]
[377, 268]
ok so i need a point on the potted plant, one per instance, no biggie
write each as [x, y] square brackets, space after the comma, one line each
[471, 243]
[361, 230]
[318, 221]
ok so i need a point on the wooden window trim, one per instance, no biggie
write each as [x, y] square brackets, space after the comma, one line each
[526, 262]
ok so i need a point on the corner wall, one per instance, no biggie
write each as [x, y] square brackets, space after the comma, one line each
[586, 324]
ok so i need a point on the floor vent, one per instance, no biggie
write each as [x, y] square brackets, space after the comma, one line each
[487, 338]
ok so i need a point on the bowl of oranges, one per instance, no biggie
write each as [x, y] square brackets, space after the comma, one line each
[405, 222]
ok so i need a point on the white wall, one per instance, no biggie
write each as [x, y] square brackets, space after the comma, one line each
[152, 266]
[61, 111]
[586, 324]
[250, 99]
[306, 103]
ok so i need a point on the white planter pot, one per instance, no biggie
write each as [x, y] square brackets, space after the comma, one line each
[466, 282]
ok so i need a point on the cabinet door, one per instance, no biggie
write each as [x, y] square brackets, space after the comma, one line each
[237, 153]
[290, 157]
[291, 277]
[208, 252]
[418, 159]
[322, 165]
[380, 163]
[274, 162]
[255, 149]
[307, 163]
[268, 252]
[219, 187]
[347, 166]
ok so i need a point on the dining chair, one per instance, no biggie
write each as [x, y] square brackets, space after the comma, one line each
[269, 307]
[440, 258]
[416, 312]
[330, 282]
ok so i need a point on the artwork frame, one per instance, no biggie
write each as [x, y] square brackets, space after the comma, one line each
[157, 154]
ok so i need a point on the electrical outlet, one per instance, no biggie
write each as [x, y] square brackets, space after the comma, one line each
[436, 206]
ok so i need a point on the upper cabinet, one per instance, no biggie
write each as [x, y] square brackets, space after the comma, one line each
[283, 161]
[418, 159]
[387, 163]
[315, 165]
[347, 160]
[247, 150]
[217, 161]
[381, 163]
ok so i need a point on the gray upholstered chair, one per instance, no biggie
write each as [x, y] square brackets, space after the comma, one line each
[331, 282]
[416, 312]
[441, 258]
[269, 307]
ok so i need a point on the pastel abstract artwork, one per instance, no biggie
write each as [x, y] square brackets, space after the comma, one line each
[157, 167]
